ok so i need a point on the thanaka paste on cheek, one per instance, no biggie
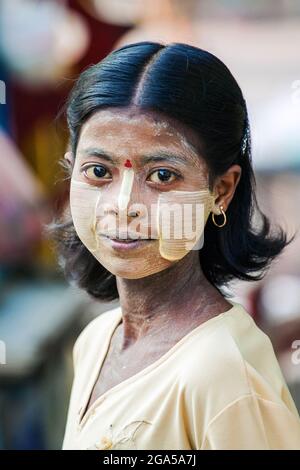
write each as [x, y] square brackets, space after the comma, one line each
[84, 199]
[190, 211]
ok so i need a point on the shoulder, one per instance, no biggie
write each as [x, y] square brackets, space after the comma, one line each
[219, 351]
[233, 359]
[97, 326]
[236, 395]
[254, 423]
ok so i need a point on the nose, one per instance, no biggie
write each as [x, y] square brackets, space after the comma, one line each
[115, 211]
[126, 185]
[123, 201]
[135, 217]
[127, 192]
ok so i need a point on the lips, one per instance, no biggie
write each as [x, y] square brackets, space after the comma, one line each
[126, 238]
[121, 244]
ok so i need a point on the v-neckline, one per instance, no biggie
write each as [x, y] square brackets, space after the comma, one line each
[84, 412]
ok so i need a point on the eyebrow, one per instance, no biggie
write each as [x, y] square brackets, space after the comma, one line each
[157, 156]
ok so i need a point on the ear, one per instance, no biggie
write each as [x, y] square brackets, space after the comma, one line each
[224, 188]
[69, 157]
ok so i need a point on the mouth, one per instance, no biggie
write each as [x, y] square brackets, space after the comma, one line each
[125, 243]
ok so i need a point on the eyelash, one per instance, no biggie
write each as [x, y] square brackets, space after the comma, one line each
[173, 173]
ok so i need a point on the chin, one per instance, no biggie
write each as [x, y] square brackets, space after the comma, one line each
[137, 271]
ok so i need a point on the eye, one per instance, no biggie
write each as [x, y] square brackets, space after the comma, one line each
[96, 172]
[163, 175]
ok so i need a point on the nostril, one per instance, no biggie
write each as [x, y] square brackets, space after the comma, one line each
[133, 213]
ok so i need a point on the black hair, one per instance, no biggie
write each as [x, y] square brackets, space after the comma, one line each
[194, 87]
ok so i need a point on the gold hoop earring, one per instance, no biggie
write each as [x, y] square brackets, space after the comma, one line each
[224, 217]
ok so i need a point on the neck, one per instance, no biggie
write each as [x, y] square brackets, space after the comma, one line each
[174, 298]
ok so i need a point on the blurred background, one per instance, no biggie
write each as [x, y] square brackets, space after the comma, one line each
[44, 45]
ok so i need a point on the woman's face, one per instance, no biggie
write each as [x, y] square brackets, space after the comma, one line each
[138, 176]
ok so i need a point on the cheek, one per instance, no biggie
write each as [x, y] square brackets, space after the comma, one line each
[83, 202]
[182, 216]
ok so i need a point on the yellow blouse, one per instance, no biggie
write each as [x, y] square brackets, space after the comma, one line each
[219, 387]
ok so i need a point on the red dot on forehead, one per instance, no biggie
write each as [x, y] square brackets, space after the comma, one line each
[128, 164]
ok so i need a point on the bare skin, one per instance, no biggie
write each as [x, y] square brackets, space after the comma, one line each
[159, 309]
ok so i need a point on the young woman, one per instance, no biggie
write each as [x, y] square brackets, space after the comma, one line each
[155, 129]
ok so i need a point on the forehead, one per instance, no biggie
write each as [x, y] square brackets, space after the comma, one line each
[133, 128]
